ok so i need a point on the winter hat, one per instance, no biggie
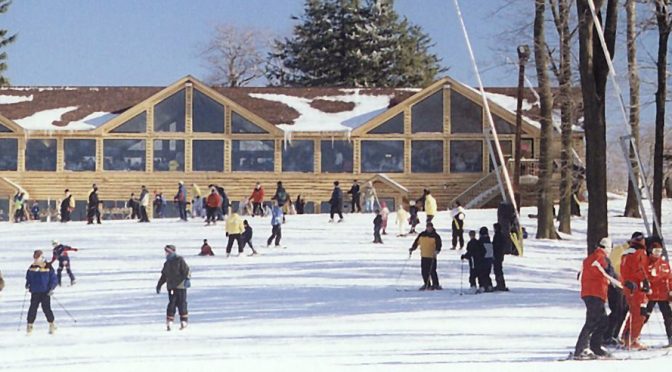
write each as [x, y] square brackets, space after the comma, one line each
[181, 182]
[637, 235]
[55, 243]
[483, 231]
[37, 254]
[411, 203]
[169, 248]
[605, 243]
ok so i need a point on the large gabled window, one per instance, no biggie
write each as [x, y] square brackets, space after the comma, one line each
[465, 115]
[80, 154]
[427, 115]
[168, 155]
[208, 155]
[41, 155]
[241, 125]
[4, 129]
[336, 156]
[394, 125]
[427, 156]
[297, 156]
[169, 113]
[124, 155]
[382, 156]
[9, 154]
[137, 124]
[208, 114]
[252, 156]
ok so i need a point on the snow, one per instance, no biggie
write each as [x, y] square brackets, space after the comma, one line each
[325, 303]
[8, 100]
[42, 120]
[313, 120]
[390, 180]
[91, 121]
[508, 102]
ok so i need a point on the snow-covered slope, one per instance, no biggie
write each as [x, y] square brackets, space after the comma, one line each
[328, 302]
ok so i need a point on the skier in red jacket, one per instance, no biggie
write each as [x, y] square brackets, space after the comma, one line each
[257, 198]
[594, 284]
[661, 287]
[634, 276]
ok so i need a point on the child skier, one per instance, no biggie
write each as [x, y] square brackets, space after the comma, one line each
[60, 253]
[40, 281]
[276, 222]
[377, 226]
[247, 237]
[413, 220]
[402, 218]
[206, 249]
[385, 213]
[474, 255]
[176, 275]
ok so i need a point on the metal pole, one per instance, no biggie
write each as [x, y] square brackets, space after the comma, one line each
[523, 56]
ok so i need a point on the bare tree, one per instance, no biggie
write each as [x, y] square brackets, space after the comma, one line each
[631, 205]
[594, 72]
[545, 225]
[235, 56]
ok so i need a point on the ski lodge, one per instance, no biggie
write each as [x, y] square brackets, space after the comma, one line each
[402, 140]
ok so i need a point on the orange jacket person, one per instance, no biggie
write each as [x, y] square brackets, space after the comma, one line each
[634, 276]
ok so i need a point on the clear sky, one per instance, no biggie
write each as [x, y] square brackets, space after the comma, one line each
[131, 42]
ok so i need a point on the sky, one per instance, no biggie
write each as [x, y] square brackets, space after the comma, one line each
[139, 43]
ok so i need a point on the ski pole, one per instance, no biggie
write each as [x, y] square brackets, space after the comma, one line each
[461, 275]
[64, 309]
[403, 268]
[23, 306]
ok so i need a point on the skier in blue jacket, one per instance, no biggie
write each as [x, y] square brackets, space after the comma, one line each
[40, 281]
[276, 222]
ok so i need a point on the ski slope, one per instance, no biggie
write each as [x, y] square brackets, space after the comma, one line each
[330, 301]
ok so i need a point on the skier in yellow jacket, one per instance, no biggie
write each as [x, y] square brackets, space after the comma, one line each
[430, 245]
[234, 230]
[430, 206]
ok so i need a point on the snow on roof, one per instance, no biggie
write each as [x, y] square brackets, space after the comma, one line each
[91, 121]
[312, 119]
[507, 102]
[6, 100]
[391, 181]
[42, 120]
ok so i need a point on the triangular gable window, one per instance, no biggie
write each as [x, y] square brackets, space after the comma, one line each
[169, 113]
[208, 114]
[241, 125]
[138, 124]
[427, 115]
[4, 129]
[392, 126]
[503, 126]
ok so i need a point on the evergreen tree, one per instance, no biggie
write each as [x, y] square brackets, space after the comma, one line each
[353, 43]
[4, 41]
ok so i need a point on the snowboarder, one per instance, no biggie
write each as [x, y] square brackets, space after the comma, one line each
[60, 253]
[488, 256]
[377, 226]
[336, 203]
[430, 246]
[234, 231]
[634, 277]
[144, 204]
[276, 222]
[402, 219]
[212, 203]
[354, 191]
[93, 207]
[475, 256]
[458, 225]
[257, 198]
[413, 219]
[206, 249]
[661, 288]
[498, 247]
[385, 214]
[430, 206]
[181, 199]
[41, 282]
[594, 283]
[176, 275]
[247, 237]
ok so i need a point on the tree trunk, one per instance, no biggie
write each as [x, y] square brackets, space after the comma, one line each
[594, 71]
[565, 80]
[545, 226]
[631, 205]
[663, 18]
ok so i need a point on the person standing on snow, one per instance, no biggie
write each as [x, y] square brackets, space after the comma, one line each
[67, 206]
[132, 204]
[93, 207]
[488, 256]
[276, 222]
[430, 246]
[377, 226]
[594, 283]
[458, 225]
[181, 200]
[41, 282]
[212, 203]
[144, 204]
[401, 219]
[234, 231]
[257, 198]
[618, 306]
[354, 191]
[159, 204]
[247, 237]
[175, 274]
[336, 203]
[430, 206]
[661, 288]
[474, 255]
[385, 214]
[206, 249]
[281, 197]
[634, 277]
[60, 253]
[413, 219]
[498, 247]
[369, 197]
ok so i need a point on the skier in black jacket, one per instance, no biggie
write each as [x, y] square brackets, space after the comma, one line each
[176, 275]
[246, 238]
[498, 246]
[93, 208]
[354, 191]
[336, 203]
[413, 220]
[377, 226]
[475, 256]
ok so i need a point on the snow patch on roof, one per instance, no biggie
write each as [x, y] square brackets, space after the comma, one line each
[391, 181]
[507, 102]
[93, 120]
[8, 100]
[313, 120]
[43, 120]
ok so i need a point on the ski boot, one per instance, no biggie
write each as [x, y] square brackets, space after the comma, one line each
[169, 325]
[29, 329]
[602, 352]
[73, 282]
[437, 288]
[586, 354]
[183, 324]
[52, 328]
[423, 288]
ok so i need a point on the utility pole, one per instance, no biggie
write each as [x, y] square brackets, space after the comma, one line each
[523, 56]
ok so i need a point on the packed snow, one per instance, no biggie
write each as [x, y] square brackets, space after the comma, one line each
[8, 100]
[329, 301]
[92, 121]
[43, 120]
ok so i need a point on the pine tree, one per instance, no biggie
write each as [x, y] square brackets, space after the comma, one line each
[353, 43]
[4, 41]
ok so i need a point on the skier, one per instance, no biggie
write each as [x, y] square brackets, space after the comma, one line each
[634, 277]
[354, 191]
[247, 237]
[594, 283]
[144, 204]
[93, 207]
[488, 255]
[413, 220]
[421, 200]
[276, 222]
[377, 226]
[402, 219]
[197, 207]
[430, 206]
[35, 211]
[458, 225]
[475, 255]
[132, 204]
[19, 207]
[60, 253]
[336, 203]
[369, 197]
[299, 205]
[176, 275]
[257, 198]
[384, 213]
[213, 201]
[281, 197]
[498, 247]
[430, 246]
[41, 282]
[618, 307]
[159, 204]
[181, 199]
[206, 249]
[234, 230]
[661, 288]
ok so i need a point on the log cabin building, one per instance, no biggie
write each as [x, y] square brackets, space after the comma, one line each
[402, 140]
